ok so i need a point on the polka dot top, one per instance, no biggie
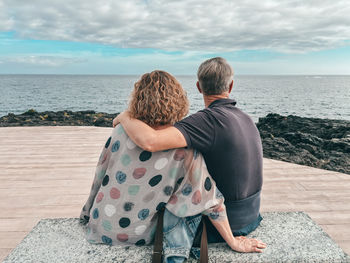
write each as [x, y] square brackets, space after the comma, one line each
[131, 185]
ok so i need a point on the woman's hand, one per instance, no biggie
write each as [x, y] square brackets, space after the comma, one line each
[120, 117]
[246, 245]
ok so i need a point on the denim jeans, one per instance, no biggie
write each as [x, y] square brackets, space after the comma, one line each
[215, 237]
[178, 236]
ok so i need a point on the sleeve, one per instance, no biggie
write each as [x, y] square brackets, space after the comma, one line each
[100, 173]
[196, 192]
[198, 130]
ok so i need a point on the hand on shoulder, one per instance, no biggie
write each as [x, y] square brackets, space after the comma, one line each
[121, 117]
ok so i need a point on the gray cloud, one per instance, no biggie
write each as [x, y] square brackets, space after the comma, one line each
[39, 60]
[189, 25]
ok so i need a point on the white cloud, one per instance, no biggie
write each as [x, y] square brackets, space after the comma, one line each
[192, 25]
[39, 60]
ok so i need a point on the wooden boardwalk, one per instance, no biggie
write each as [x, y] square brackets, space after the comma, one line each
[46, 172]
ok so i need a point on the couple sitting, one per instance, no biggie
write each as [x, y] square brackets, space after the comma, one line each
[214, 168]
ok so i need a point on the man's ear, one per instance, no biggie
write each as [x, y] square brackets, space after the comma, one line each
[198, 87]
[230, 87]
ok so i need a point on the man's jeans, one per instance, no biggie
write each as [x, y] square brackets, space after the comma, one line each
[179, 234]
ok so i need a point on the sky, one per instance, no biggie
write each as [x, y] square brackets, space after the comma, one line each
[133, 37]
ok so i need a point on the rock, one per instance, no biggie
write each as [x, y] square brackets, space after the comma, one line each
[66, 117]
[320, 143]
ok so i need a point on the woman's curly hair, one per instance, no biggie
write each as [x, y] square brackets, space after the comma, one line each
[158, 99]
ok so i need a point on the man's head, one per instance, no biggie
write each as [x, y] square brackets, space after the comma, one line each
[215, 76]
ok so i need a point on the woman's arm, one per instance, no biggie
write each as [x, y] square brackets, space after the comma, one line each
[148, 138]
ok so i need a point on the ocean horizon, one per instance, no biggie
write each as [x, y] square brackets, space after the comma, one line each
[320, 96]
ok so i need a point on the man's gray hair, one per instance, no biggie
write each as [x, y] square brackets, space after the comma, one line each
[214, 76]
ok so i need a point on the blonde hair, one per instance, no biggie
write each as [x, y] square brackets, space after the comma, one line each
[158, 99]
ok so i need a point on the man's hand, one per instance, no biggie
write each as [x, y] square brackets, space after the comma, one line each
[123, 115]
[246, 245]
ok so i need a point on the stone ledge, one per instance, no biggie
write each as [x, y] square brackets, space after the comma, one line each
[291, 237]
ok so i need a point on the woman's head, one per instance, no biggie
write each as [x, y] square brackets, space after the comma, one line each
[158, 99]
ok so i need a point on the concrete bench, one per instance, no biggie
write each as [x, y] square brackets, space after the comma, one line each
[291, 237]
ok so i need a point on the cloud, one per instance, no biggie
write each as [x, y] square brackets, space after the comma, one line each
[39, 60]
[185, 25]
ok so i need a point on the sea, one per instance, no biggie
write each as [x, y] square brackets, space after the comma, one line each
[307, 96]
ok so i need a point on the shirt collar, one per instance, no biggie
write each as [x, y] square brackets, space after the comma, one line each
[222, 102]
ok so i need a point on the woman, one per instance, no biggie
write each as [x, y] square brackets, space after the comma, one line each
[131, 185]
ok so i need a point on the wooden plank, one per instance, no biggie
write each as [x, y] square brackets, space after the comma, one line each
[10, 239]
[17, 224]
[331, 217]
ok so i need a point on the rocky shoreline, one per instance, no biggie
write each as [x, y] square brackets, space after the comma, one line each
[315, 142]
[58, 118]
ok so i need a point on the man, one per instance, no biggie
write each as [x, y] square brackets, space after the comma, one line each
[228, 140]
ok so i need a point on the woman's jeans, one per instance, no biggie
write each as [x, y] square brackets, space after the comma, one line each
[180, 233]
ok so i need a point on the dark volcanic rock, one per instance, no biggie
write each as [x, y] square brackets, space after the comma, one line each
[59, 118]
[315, 142]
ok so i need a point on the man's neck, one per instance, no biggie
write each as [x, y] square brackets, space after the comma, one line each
[208, 99]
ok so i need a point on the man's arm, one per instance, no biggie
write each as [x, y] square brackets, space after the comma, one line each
[148, 138]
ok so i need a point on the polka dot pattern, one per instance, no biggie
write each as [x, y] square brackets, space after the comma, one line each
[108, 142]
[139, 230]
[107, 240]
[124, 222]
[168, 190]
[161, 163]
[144, 183]
[104, 158]
[128, 206]
[196, 197]
[105, 180]
[122, 237]
[133, 189]
[149, 197]
[139, 173]
[116, 146]
[155, 180]
[195, 154]
[143, 214]
[125, 159]
[99, 197]
[187, 189]
[120, 177]
[145, 156]
[95, 213]
[214, 215]
[179, 155]
[114, 193]
[110, 210]
[130, 144]
[107, 226]
[173, 200]
[207, 184]
[140, 242]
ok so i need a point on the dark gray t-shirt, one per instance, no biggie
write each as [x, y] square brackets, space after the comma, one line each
[231, 145]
